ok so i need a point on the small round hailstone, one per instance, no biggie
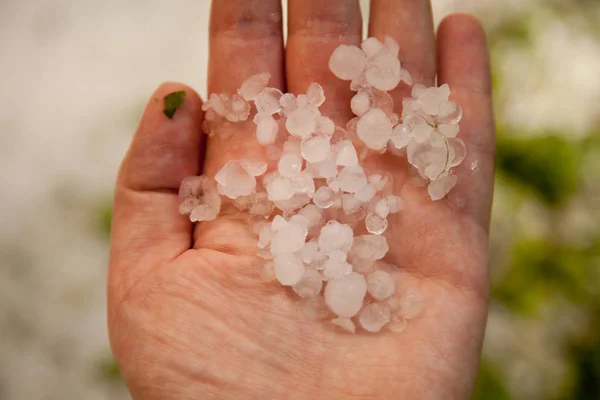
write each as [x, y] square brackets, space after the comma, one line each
[335, 236]
[289, 269]
[350, 203]
[324, 197]
[266, 130]
[344, 323]
[304, 183]
[309, 251]
[344, 296]
[252, 86]
[401, 136]
[325, 125]
[375, 224]
[314, 216]
[234, 181]
[395, 203]
[260, 205]
[375, 129]
[315, 95]
[347, 62]
[301, 122]
[374, 316]
[328, 168]
[217, 103]
[366, 194]
[383, 71]
[362, 266]
[439, 188]
[289, 165]
[370, 247]
[380, 285]
[280, 188]
[268, 101]
[288, 239]
[336, 265]
[288, 104]
[346, 154]
[310, 285]
[382, 208]
[360, 103]
[315, 149]
[278, 223]
[371, 46]
[254, 167]
[267, 274]
[411, 303]
[352, 179]
[397, 324]
[237, 109]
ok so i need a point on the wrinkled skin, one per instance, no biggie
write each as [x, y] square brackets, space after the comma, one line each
[189, 317]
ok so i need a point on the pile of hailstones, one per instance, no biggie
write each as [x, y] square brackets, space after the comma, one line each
[311, 179]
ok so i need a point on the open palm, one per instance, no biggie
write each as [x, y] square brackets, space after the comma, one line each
[189, 316]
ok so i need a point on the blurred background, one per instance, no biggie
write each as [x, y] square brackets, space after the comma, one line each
[75, 78]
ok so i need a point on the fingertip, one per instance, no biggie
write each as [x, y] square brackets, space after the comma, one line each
[165, 149]
[192, 102]
[463, 57]
[461, 25]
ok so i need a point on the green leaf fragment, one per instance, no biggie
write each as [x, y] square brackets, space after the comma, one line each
[172, 102]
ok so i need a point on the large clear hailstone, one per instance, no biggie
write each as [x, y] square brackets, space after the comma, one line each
[380, 285]
[374, 129]
[347, 62]
[335, 236]
[374, 317]
[234, 181]
[344, 296]
[439, 188]
[289, 269]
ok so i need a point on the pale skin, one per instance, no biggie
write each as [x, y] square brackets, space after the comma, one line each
[190, 318]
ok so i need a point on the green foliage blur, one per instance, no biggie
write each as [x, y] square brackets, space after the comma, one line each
[536, 271]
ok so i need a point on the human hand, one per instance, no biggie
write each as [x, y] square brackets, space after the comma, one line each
[189, 317]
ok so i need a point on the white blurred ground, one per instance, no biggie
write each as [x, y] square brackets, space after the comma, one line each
[75, 75]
